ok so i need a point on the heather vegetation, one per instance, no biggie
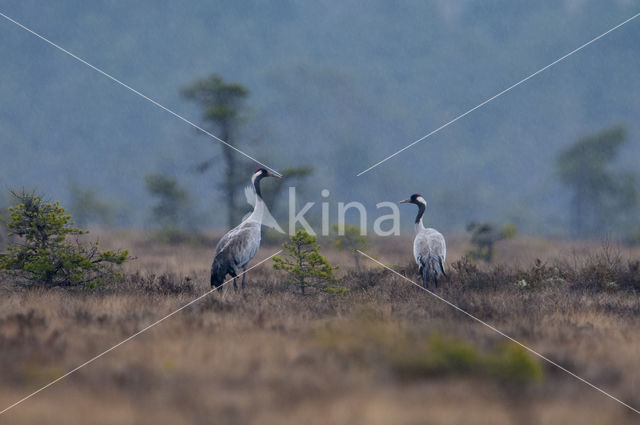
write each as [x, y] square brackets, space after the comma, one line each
[385, 350]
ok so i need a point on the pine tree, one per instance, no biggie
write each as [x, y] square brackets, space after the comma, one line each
[42, 252]
[305, 265]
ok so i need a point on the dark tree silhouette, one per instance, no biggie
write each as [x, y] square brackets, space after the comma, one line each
[221, 103]
[600, 196]
[172, 204]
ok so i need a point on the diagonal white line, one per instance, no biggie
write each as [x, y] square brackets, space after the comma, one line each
[531, 350]
[499, 94]
[132, 336]
[114, 79]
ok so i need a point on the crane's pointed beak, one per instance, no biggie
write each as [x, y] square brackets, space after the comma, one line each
[406, 201]
[270, 174]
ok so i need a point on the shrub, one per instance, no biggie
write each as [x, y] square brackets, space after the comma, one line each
[437, 357]
[513, 363]
[468, 274]
[42, 252]
[484, 236]
[350, 240]
[412, 354]
[305, 265]
[508, 230]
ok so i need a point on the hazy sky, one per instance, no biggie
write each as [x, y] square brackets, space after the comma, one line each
[334, 85]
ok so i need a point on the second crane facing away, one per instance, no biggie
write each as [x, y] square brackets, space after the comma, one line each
[239, 245]
[429, 247]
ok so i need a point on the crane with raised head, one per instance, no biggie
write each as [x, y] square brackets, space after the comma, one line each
[239, 245]
[429, 247]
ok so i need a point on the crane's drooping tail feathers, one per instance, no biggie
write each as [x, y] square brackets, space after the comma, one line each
[442, 267]
[425, 273]
[431, 267]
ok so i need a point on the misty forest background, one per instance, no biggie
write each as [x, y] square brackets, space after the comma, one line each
[335, 87]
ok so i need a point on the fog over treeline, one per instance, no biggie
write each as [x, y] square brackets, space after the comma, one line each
[333, 85]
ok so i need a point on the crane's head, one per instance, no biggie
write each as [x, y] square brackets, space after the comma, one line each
[261, 173]
[417, 199]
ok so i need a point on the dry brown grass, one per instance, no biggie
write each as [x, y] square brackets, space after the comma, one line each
[270, 356]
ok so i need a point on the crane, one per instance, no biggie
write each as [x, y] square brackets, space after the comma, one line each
[429, 247]
[239, 245]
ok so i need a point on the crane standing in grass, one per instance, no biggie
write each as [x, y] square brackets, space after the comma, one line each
[429, 248]
[239, 245]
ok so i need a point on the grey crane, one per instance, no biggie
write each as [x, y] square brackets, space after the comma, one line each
[239, 245]
[429, 247]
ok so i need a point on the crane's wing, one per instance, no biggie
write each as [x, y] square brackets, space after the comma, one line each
[239, 245]
[250, 195]
[429, 243]
[267, 218]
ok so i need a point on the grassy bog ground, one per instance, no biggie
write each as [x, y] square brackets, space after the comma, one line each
[384, 352]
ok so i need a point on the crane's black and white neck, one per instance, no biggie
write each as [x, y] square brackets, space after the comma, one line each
[259, 174]
[258, 209]
[422, 207]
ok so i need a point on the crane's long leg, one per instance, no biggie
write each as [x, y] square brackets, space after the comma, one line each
[244, 273]
[235, 278]
[426, 275]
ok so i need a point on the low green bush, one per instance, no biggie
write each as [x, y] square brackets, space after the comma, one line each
[415, 355]
[46, 248]
[441, 356]
[305, 265]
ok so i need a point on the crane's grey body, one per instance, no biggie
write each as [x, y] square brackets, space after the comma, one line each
[239, 245]
[234, 251]
[429, 246]
[430, 252]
